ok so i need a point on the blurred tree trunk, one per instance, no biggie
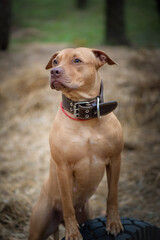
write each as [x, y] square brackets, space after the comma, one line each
[115, 22]
[81, 4]
[158, 6]
[5, 23]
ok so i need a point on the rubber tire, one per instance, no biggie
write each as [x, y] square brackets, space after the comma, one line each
[133, 230]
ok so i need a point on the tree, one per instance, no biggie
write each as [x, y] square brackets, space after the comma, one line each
[81, 4]
[5, 23]
[158, 6]
[115, 22]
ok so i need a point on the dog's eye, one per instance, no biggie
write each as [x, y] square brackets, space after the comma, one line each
[55, 62]
[77, 60]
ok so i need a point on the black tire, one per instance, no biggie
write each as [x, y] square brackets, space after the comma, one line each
[133, 230]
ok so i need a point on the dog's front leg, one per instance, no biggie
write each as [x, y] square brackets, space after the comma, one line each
[113, 220]
[65, 181]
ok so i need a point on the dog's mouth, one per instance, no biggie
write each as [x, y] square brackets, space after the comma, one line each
[60, 81]
[57, 85]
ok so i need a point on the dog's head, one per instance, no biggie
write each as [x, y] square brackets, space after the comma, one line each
[75, 71]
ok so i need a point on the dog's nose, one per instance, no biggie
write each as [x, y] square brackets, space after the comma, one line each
[56, 71]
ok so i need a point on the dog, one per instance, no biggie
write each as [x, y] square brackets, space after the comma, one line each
[86, 140]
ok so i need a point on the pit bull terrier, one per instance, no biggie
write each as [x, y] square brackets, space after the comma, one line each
[85, 140]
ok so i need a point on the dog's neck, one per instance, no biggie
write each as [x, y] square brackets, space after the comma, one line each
[88, 108]
[84, 93]
[91, 99]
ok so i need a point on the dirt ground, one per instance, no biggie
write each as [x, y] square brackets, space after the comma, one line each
[27, 109]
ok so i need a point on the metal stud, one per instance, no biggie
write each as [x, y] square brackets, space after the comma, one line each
[86, 116]
[71, 109]
[71, 104]
[87, 111]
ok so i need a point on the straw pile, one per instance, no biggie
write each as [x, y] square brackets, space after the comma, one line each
[28, 107]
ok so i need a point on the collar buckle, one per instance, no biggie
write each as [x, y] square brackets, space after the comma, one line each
[76, 107]
[98, 109]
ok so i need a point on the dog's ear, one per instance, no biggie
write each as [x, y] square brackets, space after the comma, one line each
[49, 64]
[102, 58]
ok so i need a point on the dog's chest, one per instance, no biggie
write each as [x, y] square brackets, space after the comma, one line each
[87, 143]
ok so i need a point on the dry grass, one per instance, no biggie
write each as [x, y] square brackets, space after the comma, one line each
[28, 107]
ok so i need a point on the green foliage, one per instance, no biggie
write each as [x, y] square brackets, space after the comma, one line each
[60, 21]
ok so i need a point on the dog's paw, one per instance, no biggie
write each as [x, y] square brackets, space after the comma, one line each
[114, 225]
[72, 231]
[73, 234]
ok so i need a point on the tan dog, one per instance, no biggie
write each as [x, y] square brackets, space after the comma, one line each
[81, 151]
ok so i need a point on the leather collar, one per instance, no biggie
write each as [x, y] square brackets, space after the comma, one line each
[88, 109]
